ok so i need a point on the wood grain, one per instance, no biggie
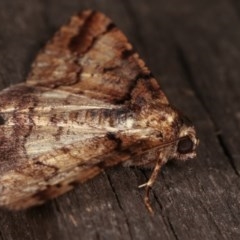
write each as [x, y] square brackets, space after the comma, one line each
[193, 48]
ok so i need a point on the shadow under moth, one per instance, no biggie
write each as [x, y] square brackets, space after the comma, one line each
[89, 103]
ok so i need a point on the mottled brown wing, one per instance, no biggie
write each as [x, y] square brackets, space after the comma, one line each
[50, 140]
[30, 181]
[91, 56]
[60, 127]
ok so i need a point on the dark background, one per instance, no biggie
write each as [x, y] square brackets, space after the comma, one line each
[193, 48]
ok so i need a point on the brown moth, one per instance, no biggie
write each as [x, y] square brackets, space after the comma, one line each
[89, 103]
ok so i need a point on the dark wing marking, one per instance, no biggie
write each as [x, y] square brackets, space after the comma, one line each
[91, 56]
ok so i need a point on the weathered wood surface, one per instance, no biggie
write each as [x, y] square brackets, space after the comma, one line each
[193, 48]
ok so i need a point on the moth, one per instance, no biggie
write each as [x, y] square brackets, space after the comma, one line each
[89, 103]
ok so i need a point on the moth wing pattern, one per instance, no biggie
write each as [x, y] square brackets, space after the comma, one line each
[51, 143]
[87, 75]
[91, 56]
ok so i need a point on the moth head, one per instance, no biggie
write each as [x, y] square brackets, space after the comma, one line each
[175, 131]
[187, 142]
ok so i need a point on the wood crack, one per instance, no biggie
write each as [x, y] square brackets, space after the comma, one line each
[226, 151]
[1, 235]
[165, 218]
[189, 77]
[172, 229]
[120, 206]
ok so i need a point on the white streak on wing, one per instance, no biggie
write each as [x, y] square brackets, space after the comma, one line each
[74, 99]
[54, 95]
[129, 123]
[43, 139]
[7, 110]
[170, 118]
[46, 134]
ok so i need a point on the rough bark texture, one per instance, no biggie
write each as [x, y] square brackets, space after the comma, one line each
[193, 48]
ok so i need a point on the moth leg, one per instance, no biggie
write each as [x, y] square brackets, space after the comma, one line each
[148, 185]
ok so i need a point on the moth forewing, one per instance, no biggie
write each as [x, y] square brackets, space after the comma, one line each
[89, 103]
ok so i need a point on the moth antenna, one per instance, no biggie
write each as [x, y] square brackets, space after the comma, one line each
[148, 185]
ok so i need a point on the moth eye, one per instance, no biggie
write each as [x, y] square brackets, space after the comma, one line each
[2, 121]
[185, 145]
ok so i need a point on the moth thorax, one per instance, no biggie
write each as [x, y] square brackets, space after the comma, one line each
[158, 117]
